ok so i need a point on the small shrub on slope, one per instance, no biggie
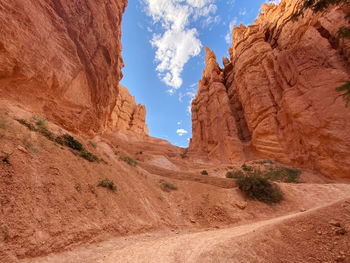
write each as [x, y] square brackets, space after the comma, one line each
[128, 160]
[107, 184]
[254, 186]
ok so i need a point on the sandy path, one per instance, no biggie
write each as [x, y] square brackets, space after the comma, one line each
[165, 247]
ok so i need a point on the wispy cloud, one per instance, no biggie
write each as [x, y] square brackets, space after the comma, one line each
[228, 36]
[178, 42]
[181, 132]
[276, 2]
[242, 12]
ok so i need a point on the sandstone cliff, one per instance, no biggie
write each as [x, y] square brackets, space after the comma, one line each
[62, 59]
[275, 97]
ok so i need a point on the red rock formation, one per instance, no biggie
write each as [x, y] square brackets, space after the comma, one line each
[127, 116]
[62, 58]
[280, 85]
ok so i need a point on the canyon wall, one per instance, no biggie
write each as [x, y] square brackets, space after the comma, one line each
[62, 59]
[275, 97]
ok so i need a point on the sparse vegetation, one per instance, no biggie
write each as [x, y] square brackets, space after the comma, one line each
[107, 183]
[128, 160]
[234, 174]
[282, 174]
[89, 156]
[255, 186]
[41, 122]
[71, 142]
[204, 172]
[45, 132]
[27, 124]
[230, 167]
[247, 168]
[265, 162]
[65, 140]
[166, 186]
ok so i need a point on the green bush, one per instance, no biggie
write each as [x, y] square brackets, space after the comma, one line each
[27, 124]
[283, 174]
[45, 132]
[247, 168]
[128, 160]
[72, 143]
[89, 156]
[234, 174]
[107, 184]
[257, 187]
[59, 140]
[204, 172]
[265, 162]
[166, 186]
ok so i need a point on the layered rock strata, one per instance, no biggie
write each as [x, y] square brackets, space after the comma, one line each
[275, 97]
[62, 59]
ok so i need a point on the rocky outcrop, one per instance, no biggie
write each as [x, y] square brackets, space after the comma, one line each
[275, 97]
[62, 59]
[213, 125]
[127, 115]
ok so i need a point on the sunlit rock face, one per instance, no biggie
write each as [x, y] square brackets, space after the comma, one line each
[275, 97]
[127, 115]
[62, 58]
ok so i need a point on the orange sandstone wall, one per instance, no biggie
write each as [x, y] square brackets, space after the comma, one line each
[275, 97]
[62, 59]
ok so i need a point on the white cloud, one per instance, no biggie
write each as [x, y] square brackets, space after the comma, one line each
[242, 12]
[179, 42]
[228, 36]
[179, 122]
[276, 2]
[181, 132]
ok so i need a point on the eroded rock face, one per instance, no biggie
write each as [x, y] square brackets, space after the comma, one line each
[127, 115]
[62, 58]
[277, 94]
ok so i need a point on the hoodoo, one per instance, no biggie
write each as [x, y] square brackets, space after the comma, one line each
[275, 97]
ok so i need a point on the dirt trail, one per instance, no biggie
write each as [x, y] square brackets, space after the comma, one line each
[175, 247]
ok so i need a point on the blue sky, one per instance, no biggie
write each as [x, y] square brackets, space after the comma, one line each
[163, 51]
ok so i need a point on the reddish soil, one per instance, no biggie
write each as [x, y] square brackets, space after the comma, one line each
[52, 209]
